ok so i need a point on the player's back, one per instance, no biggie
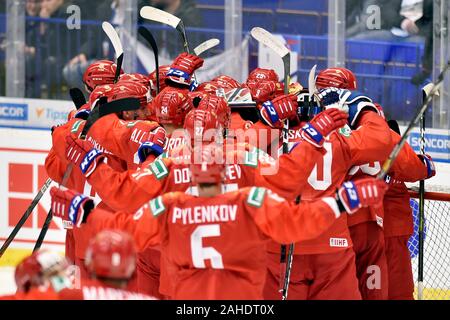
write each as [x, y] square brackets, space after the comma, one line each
[327, 175]
[216, 247]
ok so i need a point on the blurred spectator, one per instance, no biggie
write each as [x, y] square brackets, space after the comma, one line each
[32, 88]
[91, 48]
[401, 21]
[2, 48]
[186, 10]
[56, 40]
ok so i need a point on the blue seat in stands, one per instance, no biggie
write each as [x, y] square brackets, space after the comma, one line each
[213, 17]
[303, 23]
[252, 17]
[211, 2]
[271, 4]
[312, 5]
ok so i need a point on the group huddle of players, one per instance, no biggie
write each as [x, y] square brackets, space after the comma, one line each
[168, 202]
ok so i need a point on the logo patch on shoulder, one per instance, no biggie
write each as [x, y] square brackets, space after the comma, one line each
[159, 169]
[256, 196]
[157, 206]
[251, 158]
[345, 131]
[76, 126]
[131, 124]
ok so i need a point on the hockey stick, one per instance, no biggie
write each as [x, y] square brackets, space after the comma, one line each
[425, 93]
[389, 162]
[103, 109]
[147, 35]
[205, 46]
[79, 100]
[77, 97]
[312, 82]
[43, 232]
[154, 14]
[117, 44]
[266, 38]
[25, 216]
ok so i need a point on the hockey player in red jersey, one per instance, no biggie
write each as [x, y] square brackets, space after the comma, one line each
[329, 261]
[152, 179]
[366, 225]
[398, 219]
[341, 78]
[119, 140]
[111, 262]
[209, 237]
[41, 276]
[99, 73]
[171, 106]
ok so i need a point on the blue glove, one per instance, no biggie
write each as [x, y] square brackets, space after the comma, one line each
[148, 148]
[71, 207]
[154, 144]
[352, 102]
[429, 163]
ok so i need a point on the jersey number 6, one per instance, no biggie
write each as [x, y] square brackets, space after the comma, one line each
[200, 253]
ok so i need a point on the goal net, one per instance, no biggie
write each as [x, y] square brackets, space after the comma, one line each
[436, 255]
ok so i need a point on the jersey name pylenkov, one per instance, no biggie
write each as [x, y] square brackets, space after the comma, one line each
[204, 214]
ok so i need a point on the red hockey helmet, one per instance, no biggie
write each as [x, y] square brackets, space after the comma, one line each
[202, 126]
[100, 73]
[219, 106]
[130, 89]
[135, 77]
[226, 82]
[99, 91]
[207, 164]
[336, 77]
[38, 268]
[111, 254]
[162, 79]
[171, 106]
[207, 87]
[263, 74]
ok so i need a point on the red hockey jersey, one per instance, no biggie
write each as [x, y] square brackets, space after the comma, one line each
[218, 244]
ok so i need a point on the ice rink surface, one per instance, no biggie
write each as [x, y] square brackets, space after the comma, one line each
[7, 280]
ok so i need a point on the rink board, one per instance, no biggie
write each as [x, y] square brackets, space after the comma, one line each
[22, 156]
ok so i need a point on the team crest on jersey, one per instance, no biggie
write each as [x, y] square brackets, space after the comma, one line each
[157, 206]
[131, 124]
[251, 158]
[345, 131]
[76, 126]
[256, 197]
[159, 169]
